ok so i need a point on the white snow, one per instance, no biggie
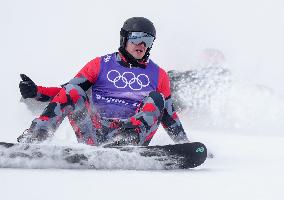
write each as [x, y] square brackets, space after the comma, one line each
[51, 40]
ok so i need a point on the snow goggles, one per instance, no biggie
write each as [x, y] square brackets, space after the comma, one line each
[139, 37]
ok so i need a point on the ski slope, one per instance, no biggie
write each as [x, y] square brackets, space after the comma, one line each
[242, 126]
[242, 169]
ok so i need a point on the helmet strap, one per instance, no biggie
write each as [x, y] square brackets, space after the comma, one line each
[133, 61]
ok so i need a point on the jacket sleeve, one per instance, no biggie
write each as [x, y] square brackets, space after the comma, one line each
[85, 78]
[45, 94]
[170, 119]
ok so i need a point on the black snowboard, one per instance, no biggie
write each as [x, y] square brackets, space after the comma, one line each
[177, 156]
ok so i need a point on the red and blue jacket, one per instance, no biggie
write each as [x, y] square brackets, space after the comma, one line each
[118, 88]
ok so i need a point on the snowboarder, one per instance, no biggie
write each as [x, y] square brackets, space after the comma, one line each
[130, 96]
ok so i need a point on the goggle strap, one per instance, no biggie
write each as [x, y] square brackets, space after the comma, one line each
[123, 33]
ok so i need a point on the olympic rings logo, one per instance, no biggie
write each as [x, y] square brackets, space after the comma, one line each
[128, 79]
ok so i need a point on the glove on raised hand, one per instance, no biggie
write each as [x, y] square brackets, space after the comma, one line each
[27, 87]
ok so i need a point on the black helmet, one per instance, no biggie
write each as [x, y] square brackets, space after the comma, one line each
[136, 24]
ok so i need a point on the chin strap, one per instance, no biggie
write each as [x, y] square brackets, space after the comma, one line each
[131, 61]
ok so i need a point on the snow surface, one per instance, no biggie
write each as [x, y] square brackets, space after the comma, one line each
[51, 40]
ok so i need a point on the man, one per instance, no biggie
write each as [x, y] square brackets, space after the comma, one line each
[130, 96]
